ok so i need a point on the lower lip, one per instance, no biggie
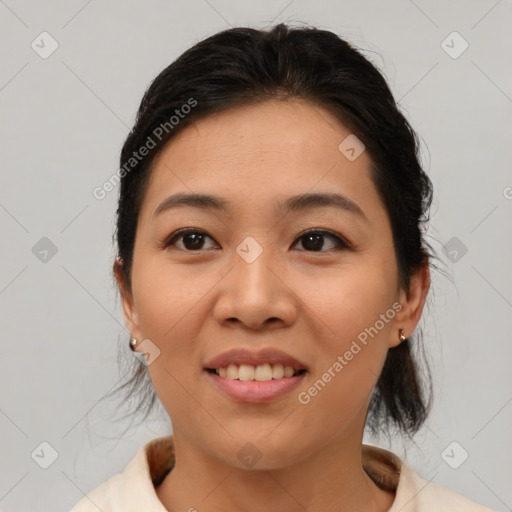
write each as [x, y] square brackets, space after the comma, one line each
[254, 392]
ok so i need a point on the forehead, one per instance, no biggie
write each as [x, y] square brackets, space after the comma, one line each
[259, 154]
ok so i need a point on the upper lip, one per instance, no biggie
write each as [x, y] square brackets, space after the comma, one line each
[254, 358]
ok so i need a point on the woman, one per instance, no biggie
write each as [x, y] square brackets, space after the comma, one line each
[273, 270]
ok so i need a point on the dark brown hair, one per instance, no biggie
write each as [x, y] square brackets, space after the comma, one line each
[245, 65]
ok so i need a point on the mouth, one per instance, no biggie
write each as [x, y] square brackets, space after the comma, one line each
[255, 376]
[248, 384]
[260, 373]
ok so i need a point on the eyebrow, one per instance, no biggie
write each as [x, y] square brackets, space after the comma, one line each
[292, 204]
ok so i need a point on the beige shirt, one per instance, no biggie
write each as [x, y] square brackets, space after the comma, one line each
[133, 490]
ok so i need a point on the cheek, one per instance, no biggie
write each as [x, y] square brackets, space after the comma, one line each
[167, 298]
[350, 300]
[172, 306]
[354, 319]
[351, 353]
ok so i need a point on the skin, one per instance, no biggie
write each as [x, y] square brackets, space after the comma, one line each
[196, 304]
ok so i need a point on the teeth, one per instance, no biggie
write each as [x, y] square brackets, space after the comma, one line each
[260, 373]
[263, 372]
[288, 371]
[245, 372]
[277, 371]
[232, 372]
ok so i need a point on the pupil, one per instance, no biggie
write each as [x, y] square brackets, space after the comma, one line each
[317, 242]
[197, 241]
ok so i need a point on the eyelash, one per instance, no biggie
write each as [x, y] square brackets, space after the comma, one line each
[341, 243]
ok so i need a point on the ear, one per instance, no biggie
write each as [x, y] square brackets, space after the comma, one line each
[129, 311]
[412, 302]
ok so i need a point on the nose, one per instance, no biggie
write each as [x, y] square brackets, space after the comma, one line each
[256, 295]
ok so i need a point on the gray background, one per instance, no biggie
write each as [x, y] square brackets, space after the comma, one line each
[63, 120]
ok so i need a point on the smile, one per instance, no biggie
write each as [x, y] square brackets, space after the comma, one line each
[251, 390]
[260, 373]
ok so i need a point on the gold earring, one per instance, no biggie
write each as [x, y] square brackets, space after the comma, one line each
[133, 344]
[401, 335]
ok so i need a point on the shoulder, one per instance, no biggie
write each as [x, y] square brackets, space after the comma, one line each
[414, 493]
[134, 488]
[98, 498]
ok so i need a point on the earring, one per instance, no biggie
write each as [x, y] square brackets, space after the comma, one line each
[401, 335]
[133, 344]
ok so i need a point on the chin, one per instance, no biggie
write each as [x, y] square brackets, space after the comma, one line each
[260, 452]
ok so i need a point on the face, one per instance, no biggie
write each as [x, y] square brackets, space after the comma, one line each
[267, 279]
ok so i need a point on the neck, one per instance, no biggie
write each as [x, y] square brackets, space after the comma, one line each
[330, 479]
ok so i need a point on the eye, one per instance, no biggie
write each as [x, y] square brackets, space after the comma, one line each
[193, 240]
[187, 240]
[313, 241]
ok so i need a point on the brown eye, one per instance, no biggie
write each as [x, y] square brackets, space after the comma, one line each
[193, 240]
[314, 241]
[188, 240]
